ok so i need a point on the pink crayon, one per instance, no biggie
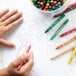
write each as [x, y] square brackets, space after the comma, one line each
[20, 65]
[27, 51]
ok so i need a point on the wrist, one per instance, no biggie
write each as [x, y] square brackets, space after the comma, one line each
[4, 72]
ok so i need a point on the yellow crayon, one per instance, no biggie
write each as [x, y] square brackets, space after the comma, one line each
[63, 52]
[72, 56]
[32, 0]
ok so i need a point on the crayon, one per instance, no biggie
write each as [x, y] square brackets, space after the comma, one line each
[66, 42]
[27, 51]
[20, 65]
[62, 53]
[72, 56]
[59, 29]
[55, 23]
[68, 32]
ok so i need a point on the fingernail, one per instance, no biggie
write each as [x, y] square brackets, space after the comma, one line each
[7, 9]
[21, 19]
[31, 53]
[15, 10]
[13, 45]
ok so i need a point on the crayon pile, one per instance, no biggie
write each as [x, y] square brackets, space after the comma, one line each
[73, 48]
[48, 5]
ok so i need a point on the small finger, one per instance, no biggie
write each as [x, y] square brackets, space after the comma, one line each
[13, 18]
[6, 16]
[4, 12]
[6, 43]
[14, 24]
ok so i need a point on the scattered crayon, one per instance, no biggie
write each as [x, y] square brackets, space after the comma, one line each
[72, 56]
[68, 32]
[59, 29]
[62, 53]
[54, 4]
[55, 23]
[66, 42]
[69, 8]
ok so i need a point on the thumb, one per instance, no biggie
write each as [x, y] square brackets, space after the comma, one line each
[6, 43]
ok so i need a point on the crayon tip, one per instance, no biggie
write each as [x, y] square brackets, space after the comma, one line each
[68, 63]
[51, 59]
[46, 31]
[51, 38]
[61, 35]
[57, 47]
[27, 51]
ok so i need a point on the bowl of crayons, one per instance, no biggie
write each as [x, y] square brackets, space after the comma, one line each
[51, 6]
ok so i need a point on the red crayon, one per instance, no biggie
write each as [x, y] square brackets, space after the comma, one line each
[27, 51]
[68, 32]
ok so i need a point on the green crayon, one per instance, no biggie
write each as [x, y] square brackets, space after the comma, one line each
[59, 29]
[56, 22]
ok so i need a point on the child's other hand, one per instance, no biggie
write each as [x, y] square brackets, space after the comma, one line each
[8, 20]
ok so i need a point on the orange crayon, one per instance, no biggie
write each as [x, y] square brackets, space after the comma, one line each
[66, 42]
[62, 53]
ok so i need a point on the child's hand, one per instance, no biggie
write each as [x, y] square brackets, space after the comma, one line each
[8, 20]
[25, 69]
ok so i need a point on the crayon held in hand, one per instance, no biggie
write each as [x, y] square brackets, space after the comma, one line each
[27, 51]
[55, 23]
[66, 42]
[72, 56]
[59, 29]
[19, 66]
[62, 53]
[68, 32]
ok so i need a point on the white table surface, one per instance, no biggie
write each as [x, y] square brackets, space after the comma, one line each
[32, 31]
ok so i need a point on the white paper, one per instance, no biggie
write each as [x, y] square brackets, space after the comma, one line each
[32, 31]
[1, 58]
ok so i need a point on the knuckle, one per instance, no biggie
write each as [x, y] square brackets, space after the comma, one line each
[21, 58]
[19, 14]
[2, 23]
[31, 63]
[12, 64]
[11, 19]
[22, 73]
